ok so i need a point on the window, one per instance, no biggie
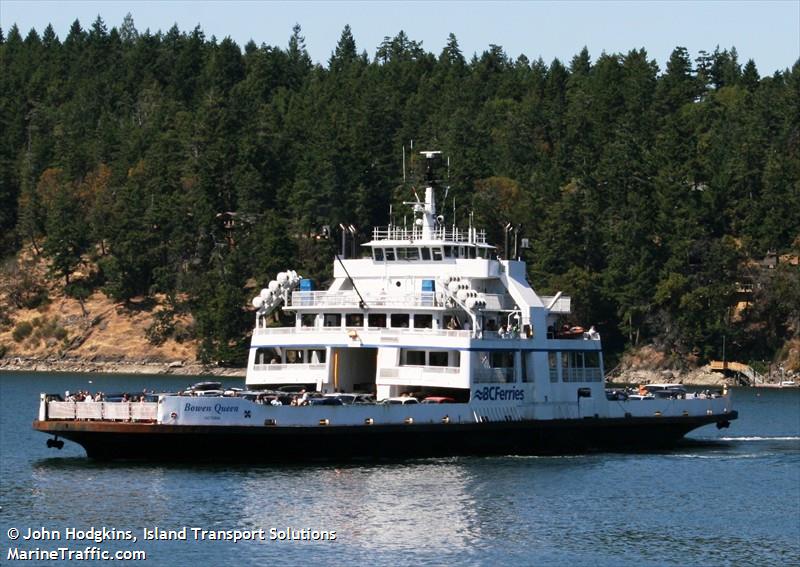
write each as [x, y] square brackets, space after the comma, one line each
[580, 366]
[470, 252]
[413, 358]
[502, 359]
[408, 253]
[308, 319]
[294, 356]
[423, 321]
[552, 363]
[332, 320]
[448, 251]
[317, 356]
[437, 254]
[377, 320]
[389, 254]
[400, 320]
[527, 375]
[354, 320]
[437, 358]
[378, 254]
[454, 252]
[426, 253]
[267, 356]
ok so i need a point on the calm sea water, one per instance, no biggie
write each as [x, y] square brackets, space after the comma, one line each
[733, 502]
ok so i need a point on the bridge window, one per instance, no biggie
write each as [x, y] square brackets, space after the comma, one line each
[470, 252]
[422, 321]
[400, 320]
[552, 363]
[389, 254]
[308, 319]
[378, 252]
[354, 320]
[333, 319]
[377, 320]
[317, 356]
[437, 254]
[426, 253]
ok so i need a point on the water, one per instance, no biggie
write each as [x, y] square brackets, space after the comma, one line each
[734, 502]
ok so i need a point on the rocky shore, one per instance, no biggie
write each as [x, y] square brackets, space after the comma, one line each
[702, 376]
[178, 367]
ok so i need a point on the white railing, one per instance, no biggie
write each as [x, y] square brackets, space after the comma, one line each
[489, 375]
[442, 233]
[296, 367]
[351, 299]
[103, 411]
[383, 331]
[581, 375]
[414, 373]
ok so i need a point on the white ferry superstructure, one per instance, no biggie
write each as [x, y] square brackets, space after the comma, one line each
[430, 314]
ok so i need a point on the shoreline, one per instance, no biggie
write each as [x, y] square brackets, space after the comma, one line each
[176, 368]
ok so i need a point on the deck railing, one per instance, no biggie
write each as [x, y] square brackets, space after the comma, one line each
[491, 375]
[384, 332]
[350, 298]
[415, 233]
[103, 411]
[296, 367]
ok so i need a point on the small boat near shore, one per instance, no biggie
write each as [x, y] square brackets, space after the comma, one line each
[429, 345]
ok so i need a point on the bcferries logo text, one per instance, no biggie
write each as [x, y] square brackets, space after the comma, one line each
[497, 393]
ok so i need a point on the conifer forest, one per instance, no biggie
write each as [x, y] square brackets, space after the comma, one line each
[665, 201]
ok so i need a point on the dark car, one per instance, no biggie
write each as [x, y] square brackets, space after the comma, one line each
[325, 401]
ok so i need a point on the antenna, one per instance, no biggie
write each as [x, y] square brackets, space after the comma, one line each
[404, 163]
[448, 168]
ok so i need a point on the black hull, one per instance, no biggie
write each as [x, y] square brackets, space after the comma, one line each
[155, 442]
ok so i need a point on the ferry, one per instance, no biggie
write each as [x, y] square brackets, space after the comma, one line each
[430, 344]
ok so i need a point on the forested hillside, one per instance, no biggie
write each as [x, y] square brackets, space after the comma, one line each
[182, 166]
